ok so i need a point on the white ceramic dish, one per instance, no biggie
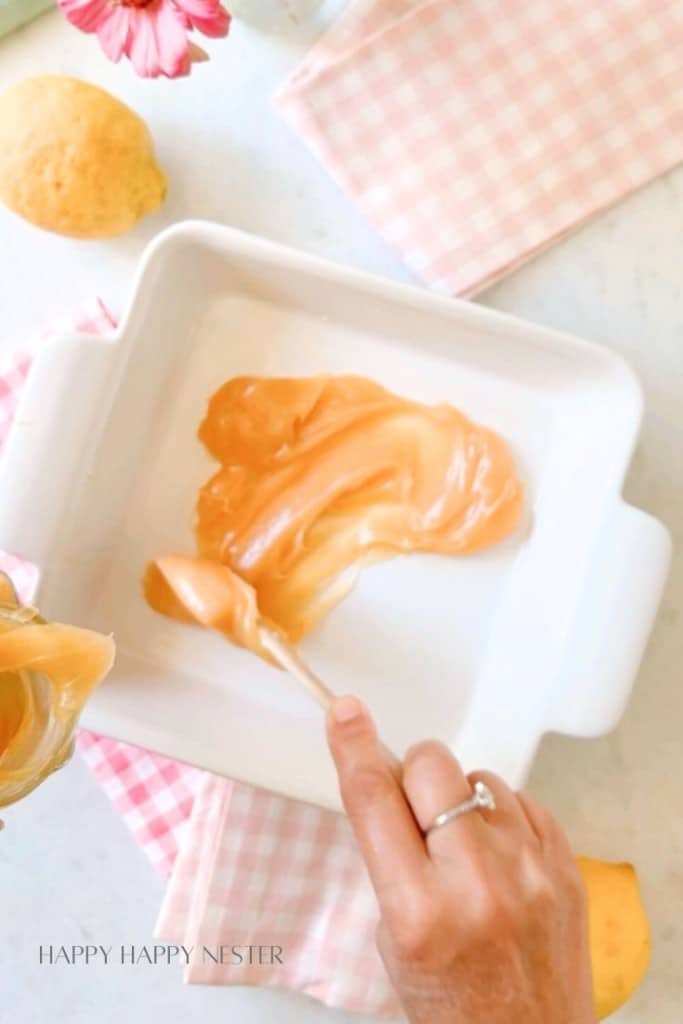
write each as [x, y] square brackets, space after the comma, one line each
[488, 652]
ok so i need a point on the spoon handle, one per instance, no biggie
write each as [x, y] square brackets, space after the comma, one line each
[290, 660]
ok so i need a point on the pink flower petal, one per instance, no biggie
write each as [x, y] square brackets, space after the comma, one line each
[198, 8]
[114, 32]
[153, 36]
[207, 16]
[143, 50]
[173, 42]
[85, 14]
[158, 44]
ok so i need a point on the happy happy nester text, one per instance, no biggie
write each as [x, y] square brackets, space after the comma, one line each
[159, 954]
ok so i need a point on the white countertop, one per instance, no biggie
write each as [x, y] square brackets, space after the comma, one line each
[69, 872]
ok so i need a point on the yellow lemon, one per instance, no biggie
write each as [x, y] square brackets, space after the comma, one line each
[619, 932]
[75, 160]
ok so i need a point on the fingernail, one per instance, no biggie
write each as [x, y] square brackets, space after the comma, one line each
[345, 709]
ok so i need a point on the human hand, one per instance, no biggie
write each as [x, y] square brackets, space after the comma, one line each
[483, 921]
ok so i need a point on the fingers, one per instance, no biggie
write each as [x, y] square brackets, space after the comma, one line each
[390, 814]
[550, 834]
[383, 823]
[433, 782]
[509, 812]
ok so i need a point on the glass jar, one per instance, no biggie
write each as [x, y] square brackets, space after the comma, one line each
[47, 672]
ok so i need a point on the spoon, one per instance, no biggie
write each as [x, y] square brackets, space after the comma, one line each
[291, 661]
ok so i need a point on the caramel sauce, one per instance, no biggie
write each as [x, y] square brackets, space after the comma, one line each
[47, 672]
[318, 478]
[203, 592]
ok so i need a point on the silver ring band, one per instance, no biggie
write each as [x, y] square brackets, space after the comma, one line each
[482, 797]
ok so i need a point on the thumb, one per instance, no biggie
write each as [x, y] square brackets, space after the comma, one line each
[381, 818]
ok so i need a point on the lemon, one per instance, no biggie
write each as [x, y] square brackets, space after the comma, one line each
[619, 932]
[75, 160]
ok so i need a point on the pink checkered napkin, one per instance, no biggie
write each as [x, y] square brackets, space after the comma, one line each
[264, 870]
[474, 133]
[153, 794]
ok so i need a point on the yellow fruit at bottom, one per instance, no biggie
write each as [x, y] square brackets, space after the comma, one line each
[75, 160]
[619, 932]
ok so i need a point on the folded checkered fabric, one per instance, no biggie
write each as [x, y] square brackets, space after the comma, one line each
[475, 133]
[262, 870]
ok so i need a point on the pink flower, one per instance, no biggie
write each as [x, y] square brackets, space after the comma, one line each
[153, 33]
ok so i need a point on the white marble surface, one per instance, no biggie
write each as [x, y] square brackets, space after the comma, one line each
[68, 870]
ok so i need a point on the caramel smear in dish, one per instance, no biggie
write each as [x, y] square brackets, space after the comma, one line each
[47, 672]
[318, 478]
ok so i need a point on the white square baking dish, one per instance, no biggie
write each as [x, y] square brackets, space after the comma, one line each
[487, 652]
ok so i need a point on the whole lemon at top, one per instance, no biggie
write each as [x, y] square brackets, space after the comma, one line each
[75, 160]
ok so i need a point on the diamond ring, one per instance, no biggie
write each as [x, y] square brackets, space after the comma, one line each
[482, 797]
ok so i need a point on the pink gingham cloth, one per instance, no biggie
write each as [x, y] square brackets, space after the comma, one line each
[264, 870]
[474, 133]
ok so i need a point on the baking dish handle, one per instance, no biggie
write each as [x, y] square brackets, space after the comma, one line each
[628, 574]
[63, 403]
